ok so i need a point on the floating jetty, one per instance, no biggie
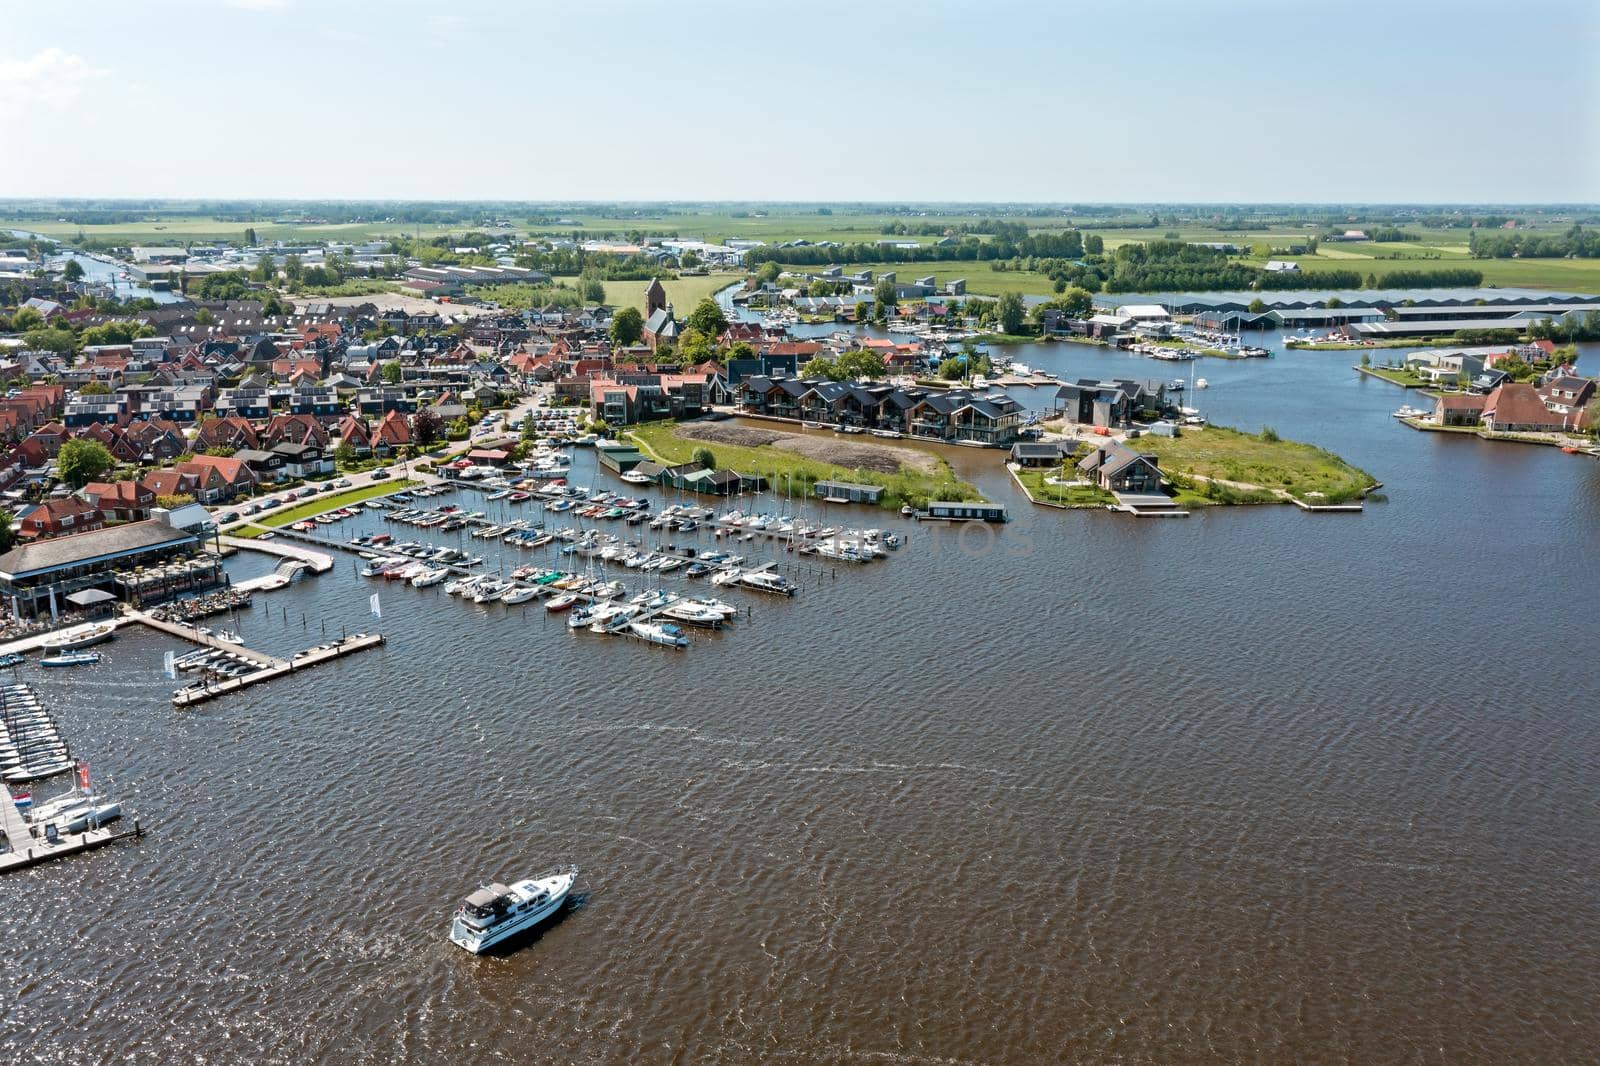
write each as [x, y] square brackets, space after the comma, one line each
[202, 691]
[34, 750]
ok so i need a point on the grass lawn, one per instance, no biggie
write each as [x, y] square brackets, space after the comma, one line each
[683, 294]
[311, 508]
[1574, 275]
[782, 468]
[1300, 469]
[1405, 378]
[1033, 483]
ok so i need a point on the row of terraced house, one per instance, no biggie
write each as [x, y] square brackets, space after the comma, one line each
[961, 416]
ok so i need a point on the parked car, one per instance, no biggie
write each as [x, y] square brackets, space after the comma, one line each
[249, 508]
[343, 483]
[228, 516]
[380, 474]
[327, 486]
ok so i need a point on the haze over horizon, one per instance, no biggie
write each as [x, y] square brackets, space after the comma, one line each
[1013, 102]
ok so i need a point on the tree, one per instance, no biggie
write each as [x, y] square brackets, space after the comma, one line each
[706, 458]
[627, 326]
[769, 273]
[25, 319]
[708, 318]
[1257, 306]
[95, 388]
[60, 341]
[425, 427]
[1011, 312]
[204, 317]
[1094, 244]
[250, 236]
[73, 271]
[173, 501]
[292, 268]
[81, 461]
[695, 347]
[8, 536]
[1333, 301]
[266, 270]
[593, 290]
[884, 297]
[860, 363]
[391, 372]
[1591, 418]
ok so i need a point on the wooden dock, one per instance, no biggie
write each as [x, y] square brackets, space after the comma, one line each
[200, 692]
[36, 850]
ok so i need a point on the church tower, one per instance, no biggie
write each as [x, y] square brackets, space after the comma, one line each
[655, 298]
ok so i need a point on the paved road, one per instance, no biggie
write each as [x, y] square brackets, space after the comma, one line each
[398, 471]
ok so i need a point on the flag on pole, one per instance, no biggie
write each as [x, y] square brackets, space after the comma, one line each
[377, 609]
[83, 776]
[169, 666]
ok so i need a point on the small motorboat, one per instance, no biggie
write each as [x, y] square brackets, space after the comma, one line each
[71, 658]
[562, 602]
[13, 659]
[229, 636]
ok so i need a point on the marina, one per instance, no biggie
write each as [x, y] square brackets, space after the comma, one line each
[33, 751]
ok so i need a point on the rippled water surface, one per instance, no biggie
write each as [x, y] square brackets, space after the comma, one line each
[1253, 785]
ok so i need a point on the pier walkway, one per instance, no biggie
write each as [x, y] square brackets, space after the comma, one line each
[191, 633]
[317, 562]
[31, 851]
[200, 692]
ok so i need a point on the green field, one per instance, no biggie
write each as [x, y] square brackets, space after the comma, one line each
[1304, 471]
[712, 222]
[785, 469]
[982, 279]
[682, 293]
[314, 507]
[180, 230]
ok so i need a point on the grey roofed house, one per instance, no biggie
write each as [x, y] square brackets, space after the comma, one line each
[101, 545]
[1038, 453]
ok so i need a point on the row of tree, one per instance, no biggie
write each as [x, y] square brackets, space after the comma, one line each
[1504, 244]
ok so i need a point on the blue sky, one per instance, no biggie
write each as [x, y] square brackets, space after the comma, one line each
[1197, 100]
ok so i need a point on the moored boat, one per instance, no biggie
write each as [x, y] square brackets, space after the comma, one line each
[71, 658]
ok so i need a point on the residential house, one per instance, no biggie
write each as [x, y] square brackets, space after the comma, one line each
[393, 434]
[218, 478]
[304, 460]
[1118, 468]
[122, 501]
[1517, 407]
[65, 514]
[1459, 408]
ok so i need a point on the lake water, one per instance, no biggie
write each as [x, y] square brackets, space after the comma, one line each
[1254, 784]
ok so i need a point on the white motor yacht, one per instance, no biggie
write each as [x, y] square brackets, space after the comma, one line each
[497, 912]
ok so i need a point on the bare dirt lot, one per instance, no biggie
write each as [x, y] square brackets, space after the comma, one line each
[823, 448]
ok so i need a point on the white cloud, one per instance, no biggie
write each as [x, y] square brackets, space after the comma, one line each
[259, 5]
[51, 78]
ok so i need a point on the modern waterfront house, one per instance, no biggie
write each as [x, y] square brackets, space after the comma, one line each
[960, 416]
